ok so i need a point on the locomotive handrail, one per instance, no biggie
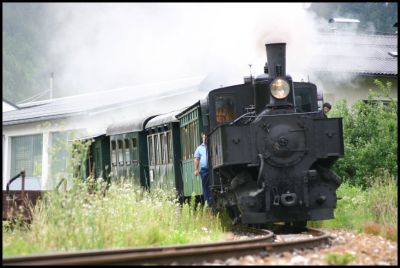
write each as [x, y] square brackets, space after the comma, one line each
[289, 114]
[249, 114]
[259, 183]
[22, 174]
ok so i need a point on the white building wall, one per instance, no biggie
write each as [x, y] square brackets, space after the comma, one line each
[45, 128]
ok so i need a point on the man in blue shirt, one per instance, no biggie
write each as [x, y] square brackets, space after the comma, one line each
[201, 156]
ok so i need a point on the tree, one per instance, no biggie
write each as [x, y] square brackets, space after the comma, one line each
[370, 136]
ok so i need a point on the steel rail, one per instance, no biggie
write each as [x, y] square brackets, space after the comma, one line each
[184, 254]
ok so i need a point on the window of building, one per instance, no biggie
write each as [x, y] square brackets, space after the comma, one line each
[224, 109]
[59, 153]
[26, 154]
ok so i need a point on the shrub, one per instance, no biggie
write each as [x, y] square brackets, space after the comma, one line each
[370, 136]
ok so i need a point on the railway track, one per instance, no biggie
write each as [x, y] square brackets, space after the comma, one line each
[185, 254]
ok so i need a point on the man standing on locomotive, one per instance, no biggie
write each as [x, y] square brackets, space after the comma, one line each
[326, 108]
[201, 156]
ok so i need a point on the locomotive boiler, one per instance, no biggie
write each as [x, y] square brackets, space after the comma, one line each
[272, 163]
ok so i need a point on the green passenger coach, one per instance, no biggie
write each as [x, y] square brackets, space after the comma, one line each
[190, 137]
[163, 148]
[128, 154]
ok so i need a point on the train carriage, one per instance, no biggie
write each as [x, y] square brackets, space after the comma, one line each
[128, 152]
[191, 127]
[164, 152]
[100, 151]
[96, 159]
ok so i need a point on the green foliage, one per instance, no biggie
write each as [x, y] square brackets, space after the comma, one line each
[339, 259]
[96, 215]
[67, 158]
[359, 208]
[351, 211]
[382, 200]
[370, 136]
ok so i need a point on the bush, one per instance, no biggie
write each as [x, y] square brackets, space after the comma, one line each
[370, 136]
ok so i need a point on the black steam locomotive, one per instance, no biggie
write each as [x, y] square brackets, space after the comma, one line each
[270, 149]
[271, 164]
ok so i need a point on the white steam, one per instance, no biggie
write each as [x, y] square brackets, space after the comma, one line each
[105, 45]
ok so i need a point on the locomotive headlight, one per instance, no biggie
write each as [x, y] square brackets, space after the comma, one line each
[280, 88]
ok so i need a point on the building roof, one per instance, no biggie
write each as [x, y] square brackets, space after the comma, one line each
[355, 53]
[9, 106]
[96, 102]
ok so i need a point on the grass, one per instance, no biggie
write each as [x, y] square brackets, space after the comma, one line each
[373, 210]
[90, 216]
[339, 259]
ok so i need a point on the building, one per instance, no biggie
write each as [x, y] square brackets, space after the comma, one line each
[344, 65]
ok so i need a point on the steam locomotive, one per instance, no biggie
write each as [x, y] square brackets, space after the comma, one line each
[270, 148]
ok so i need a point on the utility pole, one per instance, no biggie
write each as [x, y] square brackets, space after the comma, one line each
[51, 84]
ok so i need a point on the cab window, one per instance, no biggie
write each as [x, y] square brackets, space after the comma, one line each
[224, 109]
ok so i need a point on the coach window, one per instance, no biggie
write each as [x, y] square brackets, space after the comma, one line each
[157, 148]
[134, 151]
[150, 149]
[165, 150]
[127, 152]
[183, 138]
[113, 153]
[169, 145]
[224, 109]
[120, 153]
[161, 160]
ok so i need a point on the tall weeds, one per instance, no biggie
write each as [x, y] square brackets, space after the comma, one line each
[94, 215]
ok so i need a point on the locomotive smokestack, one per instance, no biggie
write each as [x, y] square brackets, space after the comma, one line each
[276, 58]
